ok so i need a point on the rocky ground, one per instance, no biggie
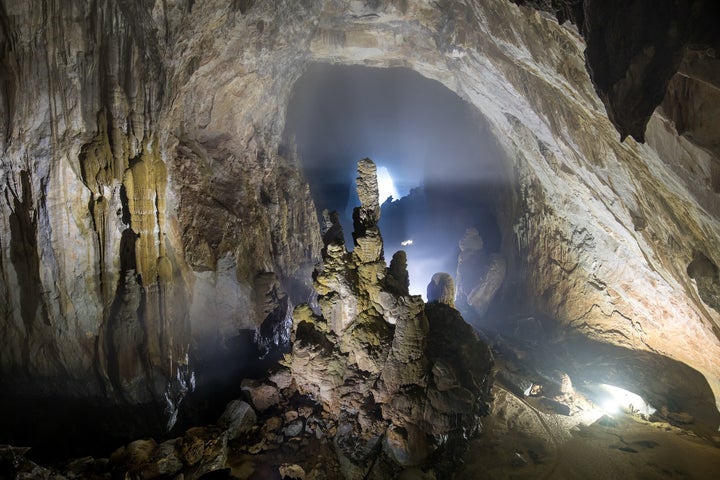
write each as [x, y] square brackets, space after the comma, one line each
[279, 433]
[522, 442]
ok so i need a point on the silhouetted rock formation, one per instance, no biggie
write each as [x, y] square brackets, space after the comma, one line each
[397, 280]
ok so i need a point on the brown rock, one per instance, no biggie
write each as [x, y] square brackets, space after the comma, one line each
[406, 445]
[184, 145]
[291, 471]
[681, 418]
[261, 395]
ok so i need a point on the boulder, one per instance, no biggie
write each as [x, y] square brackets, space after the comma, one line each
[294, 428]
[203, 450]
[291, 471]
[441, 289]
[261, 395]
[238, 418]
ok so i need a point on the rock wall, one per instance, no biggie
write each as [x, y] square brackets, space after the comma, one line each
[129, 245]
[145, 185]
[635, 49]
[87, 272]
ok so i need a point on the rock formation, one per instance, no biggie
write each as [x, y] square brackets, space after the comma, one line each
[632, 72]
[479, 275]
[395, 374]
[145, 186]
[441, 289]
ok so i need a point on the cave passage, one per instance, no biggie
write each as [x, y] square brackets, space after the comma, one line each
[436, 148]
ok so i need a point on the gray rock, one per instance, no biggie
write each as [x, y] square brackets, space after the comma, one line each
[479, 275]
[483, 293]
[238, 418]
[294, 428]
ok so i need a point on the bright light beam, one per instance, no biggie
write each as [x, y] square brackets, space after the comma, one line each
[386, 185]
[616, 399]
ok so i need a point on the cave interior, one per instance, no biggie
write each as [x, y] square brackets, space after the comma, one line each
[361, 240]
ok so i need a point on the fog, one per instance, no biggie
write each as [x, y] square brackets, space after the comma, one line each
[443, 161]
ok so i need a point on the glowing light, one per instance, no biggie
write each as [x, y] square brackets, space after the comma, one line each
[609, 406]
[386, 185]
[615, 399]
[405, 243]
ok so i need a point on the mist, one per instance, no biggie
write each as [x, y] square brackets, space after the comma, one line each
[443, 161]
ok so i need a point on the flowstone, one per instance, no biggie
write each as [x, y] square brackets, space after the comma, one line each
[405, 382]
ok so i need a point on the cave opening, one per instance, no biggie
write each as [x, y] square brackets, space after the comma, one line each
[440, 170]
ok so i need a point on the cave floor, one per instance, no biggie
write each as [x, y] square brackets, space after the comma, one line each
[521, 442]
[532, 437]
[528, 434]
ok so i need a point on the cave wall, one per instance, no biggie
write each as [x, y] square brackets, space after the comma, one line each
[146, 186]
[128, 244]
[83, 184]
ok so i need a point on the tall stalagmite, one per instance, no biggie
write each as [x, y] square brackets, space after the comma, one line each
[393, 372]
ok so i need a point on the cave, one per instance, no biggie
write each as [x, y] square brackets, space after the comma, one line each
[367, 239]
[445, 172]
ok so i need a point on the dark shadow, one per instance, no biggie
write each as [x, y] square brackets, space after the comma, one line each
[59, 427]
[24, 254]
